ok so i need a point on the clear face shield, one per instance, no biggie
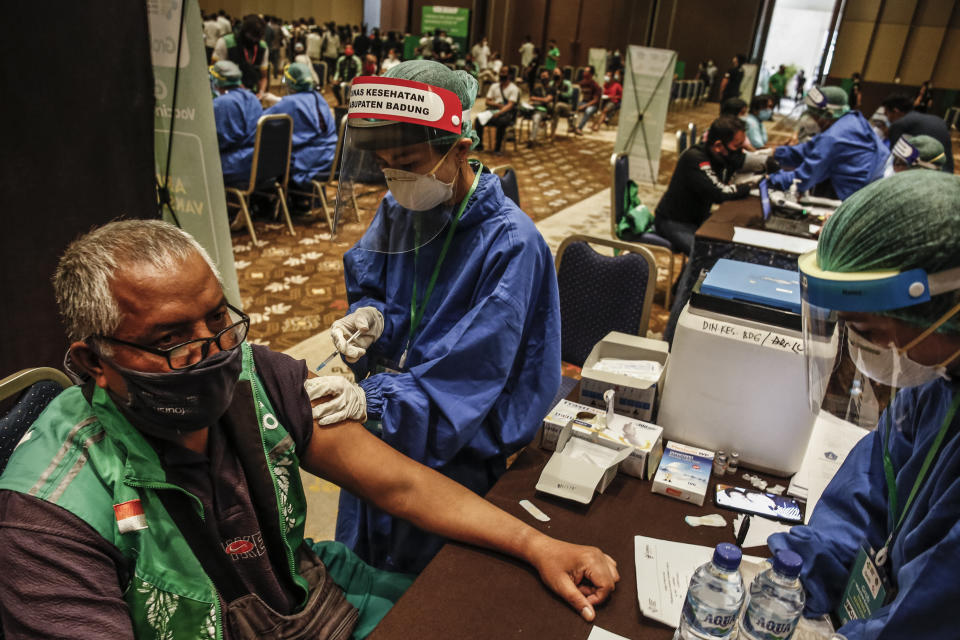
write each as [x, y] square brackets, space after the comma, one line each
[855, 358]
[402, 133]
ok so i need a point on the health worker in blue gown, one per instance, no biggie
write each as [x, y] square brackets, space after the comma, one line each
[454, 324]
[845, 156]
[881, 552]
[236, 111]
[314, 131]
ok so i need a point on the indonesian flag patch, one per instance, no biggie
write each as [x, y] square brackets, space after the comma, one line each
[130, 516]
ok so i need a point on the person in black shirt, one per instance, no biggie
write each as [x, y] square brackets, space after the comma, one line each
[730, 85]
[701, 180]
[904, 119]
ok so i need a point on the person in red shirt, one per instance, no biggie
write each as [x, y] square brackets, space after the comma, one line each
[612, 95]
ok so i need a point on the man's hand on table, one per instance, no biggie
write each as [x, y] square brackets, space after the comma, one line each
[583, 576]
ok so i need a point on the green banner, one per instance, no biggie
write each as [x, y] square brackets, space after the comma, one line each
[454, 20]
[195, 181]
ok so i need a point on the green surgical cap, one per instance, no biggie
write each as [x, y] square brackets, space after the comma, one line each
[435, 74]
[298, 77]
[908, 221]
[929, 148]
[837, 102]
[226, 74]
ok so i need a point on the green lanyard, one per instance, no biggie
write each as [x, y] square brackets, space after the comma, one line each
[416, 310]
[896, 519]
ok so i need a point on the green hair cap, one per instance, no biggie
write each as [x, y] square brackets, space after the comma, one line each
[929, 152]
[298, 76]
[908, 221]
[461, 83]
[226, 74]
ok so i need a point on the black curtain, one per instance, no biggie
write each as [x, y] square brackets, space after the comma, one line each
[76, 108]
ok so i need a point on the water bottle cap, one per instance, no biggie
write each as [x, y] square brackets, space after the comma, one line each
[788, 563]
[727, 556]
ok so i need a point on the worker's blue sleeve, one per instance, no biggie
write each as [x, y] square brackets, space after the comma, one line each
[812, 169]
[791, 155]
[314, 136]
[925, 556]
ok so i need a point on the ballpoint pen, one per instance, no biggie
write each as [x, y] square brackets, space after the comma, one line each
[336, 352]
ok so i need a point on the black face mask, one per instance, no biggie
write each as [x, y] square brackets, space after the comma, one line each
[167, 404]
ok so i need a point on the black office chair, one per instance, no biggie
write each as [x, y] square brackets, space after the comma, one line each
[656, 244]
[270, 170]
[600, 294]
[37, 387]
[508, 182]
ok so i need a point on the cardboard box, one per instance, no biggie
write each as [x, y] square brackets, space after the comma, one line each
[579, 467]
[684, 473]
[587, 423]
[635, 397]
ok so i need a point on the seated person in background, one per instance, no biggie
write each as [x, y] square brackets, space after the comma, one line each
[847, 155]
[738, 109]
[761, 110]
[904, 119]
[162, 497]
[236, 112]
[590, 93]
[563, 89]
[389, 62]
[502, 99]
[542, 97]
[492, 72]
[347, 68]
[898, 491]
[370, 65]
[918, 152]
[612, 95]
[701, 180]
[314, 131]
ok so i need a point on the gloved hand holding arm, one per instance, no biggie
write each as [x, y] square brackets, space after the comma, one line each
[346, 400]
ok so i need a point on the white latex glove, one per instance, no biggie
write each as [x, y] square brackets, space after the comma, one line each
[349, 402]
[368, 320]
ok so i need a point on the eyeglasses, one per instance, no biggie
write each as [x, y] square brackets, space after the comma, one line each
[183, 355]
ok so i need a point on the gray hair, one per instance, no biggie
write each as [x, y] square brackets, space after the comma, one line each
[82, 281]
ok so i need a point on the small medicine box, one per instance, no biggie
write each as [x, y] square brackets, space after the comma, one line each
[684, 473]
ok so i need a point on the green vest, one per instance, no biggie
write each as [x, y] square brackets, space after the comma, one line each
[89, 459]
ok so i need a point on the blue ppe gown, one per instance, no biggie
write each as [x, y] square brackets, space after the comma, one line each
[236, 113]
[925, 557]
[850, 154]
[314, 135]
[481, 371]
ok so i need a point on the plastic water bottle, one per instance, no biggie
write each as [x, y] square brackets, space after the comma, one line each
[714, 597]
[775, 602]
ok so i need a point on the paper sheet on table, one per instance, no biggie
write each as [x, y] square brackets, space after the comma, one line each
[484, 117]
[664, 569]
[775, 241]
[831, 441]
[596, 633]
[760, 529]
[642, 369]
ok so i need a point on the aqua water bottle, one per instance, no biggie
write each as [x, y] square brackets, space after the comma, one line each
[714, 597]
[775, 602]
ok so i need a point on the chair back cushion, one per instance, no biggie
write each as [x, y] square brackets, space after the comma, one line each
[18, 419]
[274, 153]
[598, 294]
[508, 181]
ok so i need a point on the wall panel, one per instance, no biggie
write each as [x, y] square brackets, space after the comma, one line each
[888, 44]
[946, 74]
[920, 54]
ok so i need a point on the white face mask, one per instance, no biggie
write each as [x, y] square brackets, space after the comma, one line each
[887, 365]
[418, 192]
